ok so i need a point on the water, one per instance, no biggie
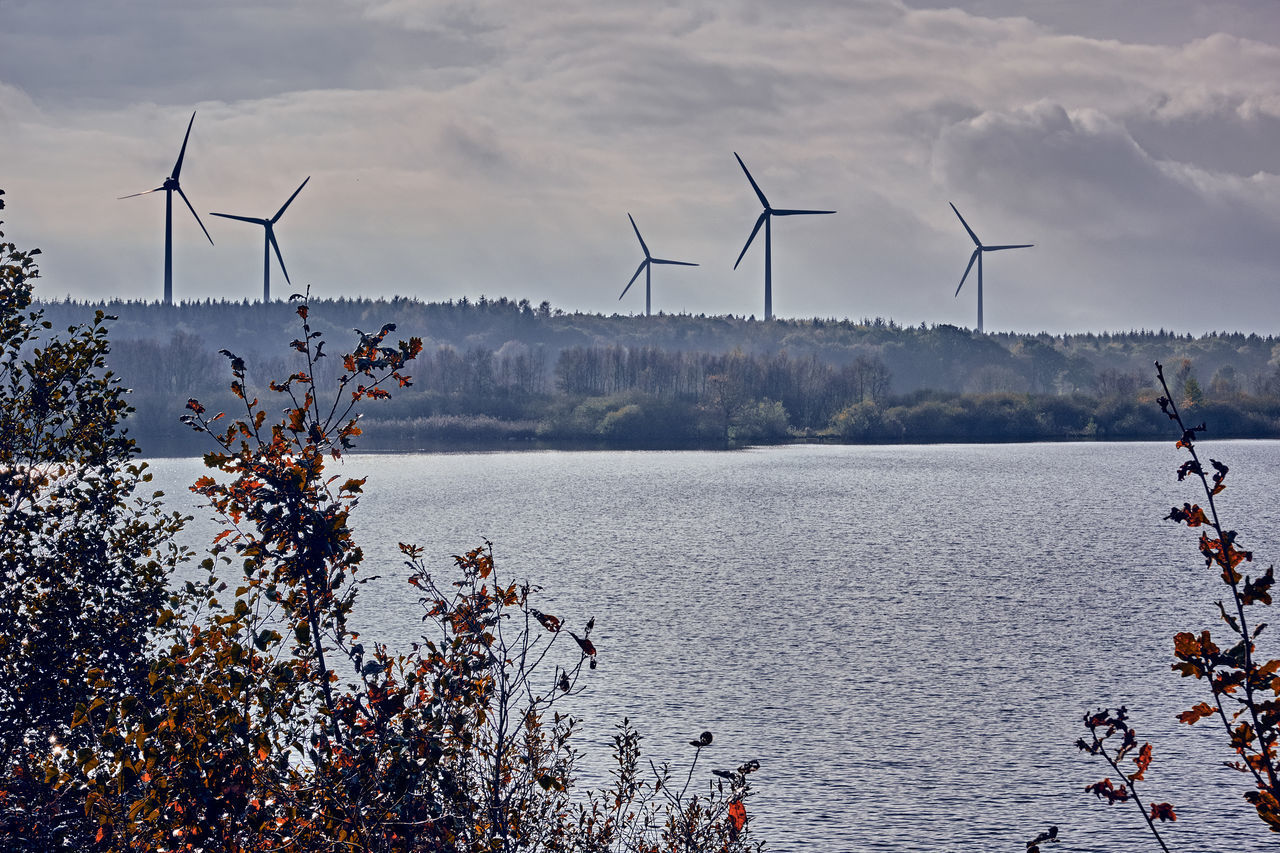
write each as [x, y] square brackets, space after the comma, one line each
[905, 637]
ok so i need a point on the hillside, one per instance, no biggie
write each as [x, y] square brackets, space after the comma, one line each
[500, 371]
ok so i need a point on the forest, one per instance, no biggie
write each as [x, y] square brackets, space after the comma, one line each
[501, 373]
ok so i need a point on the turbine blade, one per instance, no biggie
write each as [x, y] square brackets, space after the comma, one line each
[271, 238]
[754, 231]
[280, 212]
[673, 263]
[976, 241]
[998, 248]
[972, 258]
[764, 201]
[639, 270]
[177, 167]
[241, 218]
[638, 237]
[799, 212]
[193, 213]
[135, 195]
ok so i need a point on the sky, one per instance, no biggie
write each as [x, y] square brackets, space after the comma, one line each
[496, 148]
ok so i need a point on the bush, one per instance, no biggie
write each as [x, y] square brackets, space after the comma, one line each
[759, 422]
[243, 712]
[84, 558]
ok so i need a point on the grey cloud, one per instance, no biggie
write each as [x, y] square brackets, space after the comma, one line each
[494, 146]
[182, 53]
[1085, 172]
[1150, 21]
[1227, 135]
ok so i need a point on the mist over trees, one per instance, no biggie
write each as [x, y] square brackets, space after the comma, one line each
[495, 371]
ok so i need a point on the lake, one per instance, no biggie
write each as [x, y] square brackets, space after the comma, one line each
[905, 637]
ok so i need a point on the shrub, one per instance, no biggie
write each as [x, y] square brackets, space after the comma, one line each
[253, 718]
[85, 556]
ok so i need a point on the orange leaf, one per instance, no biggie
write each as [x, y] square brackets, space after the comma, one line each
[551, 623]
[737, 817]
[1199, 712]
[1143, 760]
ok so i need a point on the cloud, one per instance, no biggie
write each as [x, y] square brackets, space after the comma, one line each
[459, 148]
[1053, 167]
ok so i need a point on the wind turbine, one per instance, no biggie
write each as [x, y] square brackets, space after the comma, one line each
[977, 256]
[765, 217]
[270, 242]
[170, 184]
[646, 266]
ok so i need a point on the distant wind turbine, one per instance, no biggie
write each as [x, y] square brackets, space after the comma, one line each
[646, 267]
[170, 184]
[765, 218]
[977, 256]
[270, 242]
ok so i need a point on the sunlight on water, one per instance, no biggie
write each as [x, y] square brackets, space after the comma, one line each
[905, 637]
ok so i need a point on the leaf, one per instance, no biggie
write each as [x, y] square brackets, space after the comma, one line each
[1191, 466]
[1197, 713]
[1143, 761]
[1162, 812]
[551, 623]
[1190, 514]
[1259, 591]
[588, 647]
[737, 818]
[1105, 790]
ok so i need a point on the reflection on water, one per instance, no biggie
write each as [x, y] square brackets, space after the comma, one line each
[905, 637]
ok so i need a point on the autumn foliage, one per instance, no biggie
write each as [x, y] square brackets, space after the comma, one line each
[1244, 687]
[242, 711]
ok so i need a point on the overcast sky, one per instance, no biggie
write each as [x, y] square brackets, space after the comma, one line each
[496, 148]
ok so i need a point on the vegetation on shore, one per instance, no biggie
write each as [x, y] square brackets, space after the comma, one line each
[501, 374]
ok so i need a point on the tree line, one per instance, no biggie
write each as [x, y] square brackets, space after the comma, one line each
[616, 395]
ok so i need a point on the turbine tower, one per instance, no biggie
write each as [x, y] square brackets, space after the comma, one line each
[765, 217]
[270, 242]
[646, 266]
[169, 186]
[977, 256]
